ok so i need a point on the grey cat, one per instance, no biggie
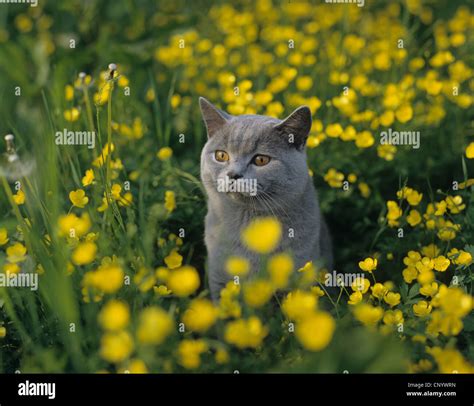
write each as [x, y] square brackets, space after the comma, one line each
[252, 147]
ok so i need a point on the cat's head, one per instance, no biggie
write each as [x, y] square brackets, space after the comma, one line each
[255, 151]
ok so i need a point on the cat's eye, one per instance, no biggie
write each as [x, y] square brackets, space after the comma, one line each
[261, 160]
[221, 156]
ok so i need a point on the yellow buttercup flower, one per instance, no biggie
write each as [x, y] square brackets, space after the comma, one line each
[3, 236]
[368, 264]
[280, 267]
[429, 289]
[200, 315]
[360, 284]
[136, 366]
[190, 351]
[116, 347]
[173, 260]
[393, 317]
[237, 266]
[183, 281]
[164, 153]
[84, 253]
[315, 331]
[72, 226]
[364, 189]
[355, 298]
[450, 361]
[16, 252]
[441, 263]
[71, 115]
[88, 177]
[162, 290]
[68, 92]
[404, 113]
[78, 198]
[245, 333]
[19, 197]
[262, 235]
[222, 356]
[470, 151]
[392, 299]
[414, 218]
[334, 130]
[304, 83]
[154, 326]
[464, 258]
[394, 213]
[414, 198]
[257, 292]
[298, 304]
[455, 204]
[11, 268]
[410, 274]
[334, 178]
[367, 314]
[170, 201]
[114, 316]
[430, 251]
[453, 301]
[365, 139]
[422, 308]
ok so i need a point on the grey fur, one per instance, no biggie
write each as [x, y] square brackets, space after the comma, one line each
[285, 189]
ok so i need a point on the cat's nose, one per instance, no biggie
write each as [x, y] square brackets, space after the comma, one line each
[234, 175]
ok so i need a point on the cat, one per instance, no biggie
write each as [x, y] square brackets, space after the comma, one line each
[272, 152]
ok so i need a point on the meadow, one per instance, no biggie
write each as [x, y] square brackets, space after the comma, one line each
[101, 197]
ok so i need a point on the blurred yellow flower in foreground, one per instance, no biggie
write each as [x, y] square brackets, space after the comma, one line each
[245, 333]
[155, 325]
[393, 317]
[315, 331]
[200, 315]
[257, 292]
[190, 353]
[367, 314]
[262, 235]
[298, 304]
[116, 347]
[84, 253]
[237, 266]
[72, 226]
[3, 236]
[71, 115]
[11, 268]
[16, 252]
[280, 267]
[114, 316]
[450, 361]
[183, 281]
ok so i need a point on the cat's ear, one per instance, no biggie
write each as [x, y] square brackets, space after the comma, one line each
[214, 118]
[295, 128]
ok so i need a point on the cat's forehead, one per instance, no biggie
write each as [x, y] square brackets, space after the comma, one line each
[247, 133]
